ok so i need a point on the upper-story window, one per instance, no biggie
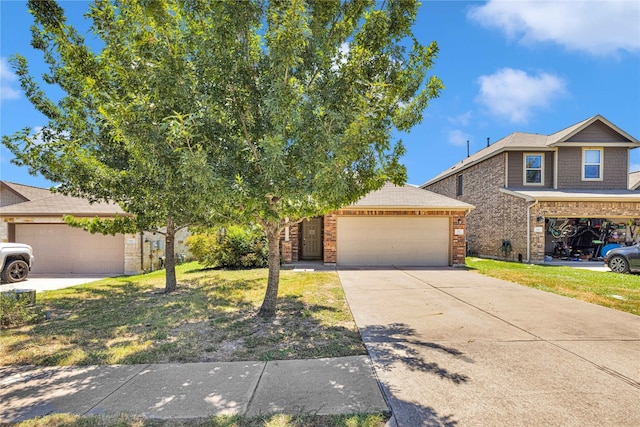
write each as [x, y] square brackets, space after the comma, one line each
[459, 185]
[592, 164]
[533, 169]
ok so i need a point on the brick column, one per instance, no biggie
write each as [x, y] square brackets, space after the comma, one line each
[458, 239]
[330, 238]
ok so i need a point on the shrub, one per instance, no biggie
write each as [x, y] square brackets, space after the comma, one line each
[15, 311]
[231, 247]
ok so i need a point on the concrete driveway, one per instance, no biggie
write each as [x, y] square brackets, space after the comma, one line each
[49, 282]
[454, 348]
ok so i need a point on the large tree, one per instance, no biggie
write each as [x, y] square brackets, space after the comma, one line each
[117, 134]
[277, 110]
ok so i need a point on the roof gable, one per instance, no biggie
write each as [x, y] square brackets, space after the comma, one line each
[44, 202]
[25, 192]
[634, 180]
[595, 130]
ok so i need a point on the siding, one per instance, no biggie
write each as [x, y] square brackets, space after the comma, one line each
[614, 169]
[597, 132]
[8, 197]
[516, 169]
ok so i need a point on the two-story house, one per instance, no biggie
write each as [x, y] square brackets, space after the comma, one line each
[565, 195]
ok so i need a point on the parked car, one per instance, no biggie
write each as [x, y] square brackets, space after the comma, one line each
[623, 259]
[16, 260]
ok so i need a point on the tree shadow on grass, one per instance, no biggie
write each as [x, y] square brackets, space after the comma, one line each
[206, 319]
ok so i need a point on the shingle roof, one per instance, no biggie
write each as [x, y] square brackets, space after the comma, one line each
[574, 195]
[519, 141]
[43, 202]
[408, 196]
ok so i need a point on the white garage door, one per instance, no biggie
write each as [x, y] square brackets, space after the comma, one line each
[385, 241]
[59, 248]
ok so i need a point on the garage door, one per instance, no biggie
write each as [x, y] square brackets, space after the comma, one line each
[59, 248]
[385, 241]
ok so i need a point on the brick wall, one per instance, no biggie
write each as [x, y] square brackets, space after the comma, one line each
[497, 216]
[458, 222]
[330, 246]
[289, 247]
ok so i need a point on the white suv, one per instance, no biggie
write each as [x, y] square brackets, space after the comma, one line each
[16, 260]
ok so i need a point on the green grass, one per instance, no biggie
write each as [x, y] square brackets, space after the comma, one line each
[278, 420]
[613, 290]
[211, 317]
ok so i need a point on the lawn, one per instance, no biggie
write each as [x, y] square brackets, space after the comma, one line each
[613, 290]
[211, 317]
[278, 420]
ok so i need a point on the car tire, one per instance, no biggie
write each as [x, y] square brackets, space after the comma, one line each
[619, 264]
[15, 271]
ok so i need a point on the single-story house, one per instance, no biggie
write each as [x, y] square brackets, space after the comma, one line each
[34, 216]
[393, 226]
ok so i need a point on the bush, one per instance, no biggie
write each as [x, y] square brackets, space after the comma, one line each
[15, 311]
[231, 247]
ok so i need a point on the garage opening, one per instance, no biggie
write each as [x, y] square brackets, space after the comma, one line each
[393, 241]
[61, 249]
[588, 239]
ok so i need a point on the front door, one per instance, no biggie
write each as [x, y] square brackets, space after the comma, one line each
[312, 238]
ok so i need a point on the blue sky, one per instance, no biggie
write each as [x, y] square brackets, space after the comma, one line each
[507, 66]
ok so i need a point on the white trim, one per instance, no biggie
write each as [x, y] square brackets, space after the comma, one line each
[601, 164]
[524, 169]
[506, 169]
[555, 169]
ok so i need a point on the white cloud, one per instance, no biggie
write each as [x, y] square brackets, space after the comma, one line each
[458, 137]
[596, 27]
[7, 80]
[462, 119]
[514, 94]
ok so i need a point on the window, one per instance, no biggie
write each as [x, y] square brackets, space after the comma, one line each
[592, 164]
[459, 186]
[533, 169]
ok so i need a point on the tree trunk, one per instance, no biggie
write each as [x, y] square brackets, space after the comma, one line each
[171, 282]
[268, 308]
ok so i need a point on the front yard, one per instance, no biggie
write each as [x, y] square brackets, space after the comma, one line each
[211, 317]
[613, 290]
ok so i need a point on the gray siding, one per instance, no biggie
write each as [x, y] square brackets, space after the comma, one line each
[614, 169]
[597, 132]
[516, 169]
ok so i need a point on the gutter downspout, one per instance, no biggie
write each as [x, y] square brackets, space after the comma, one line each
[529, 229]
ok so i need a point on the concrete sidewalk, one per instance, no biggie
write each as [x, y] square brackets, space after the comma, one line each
[317, 386]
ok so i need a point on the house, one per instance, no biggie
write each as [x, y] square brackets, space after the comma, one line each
[566, 195]
[402, 226]
[634, 180]
[34, 216]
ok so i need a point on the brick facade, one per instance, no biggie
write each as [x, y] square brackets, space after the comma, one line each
[289, 253]
[497, 217]
[500, 217]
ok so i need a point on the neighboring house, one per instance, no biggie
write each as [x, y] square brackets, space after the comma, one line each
[634, 180]
[565, 194]
[402, 226]
[34, 216]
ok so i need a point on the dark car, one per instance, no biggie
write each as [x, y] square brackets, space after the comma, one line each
[624, 259]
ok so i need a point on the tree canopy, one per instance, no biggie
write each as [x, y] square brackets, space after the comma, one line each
[262, 111]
